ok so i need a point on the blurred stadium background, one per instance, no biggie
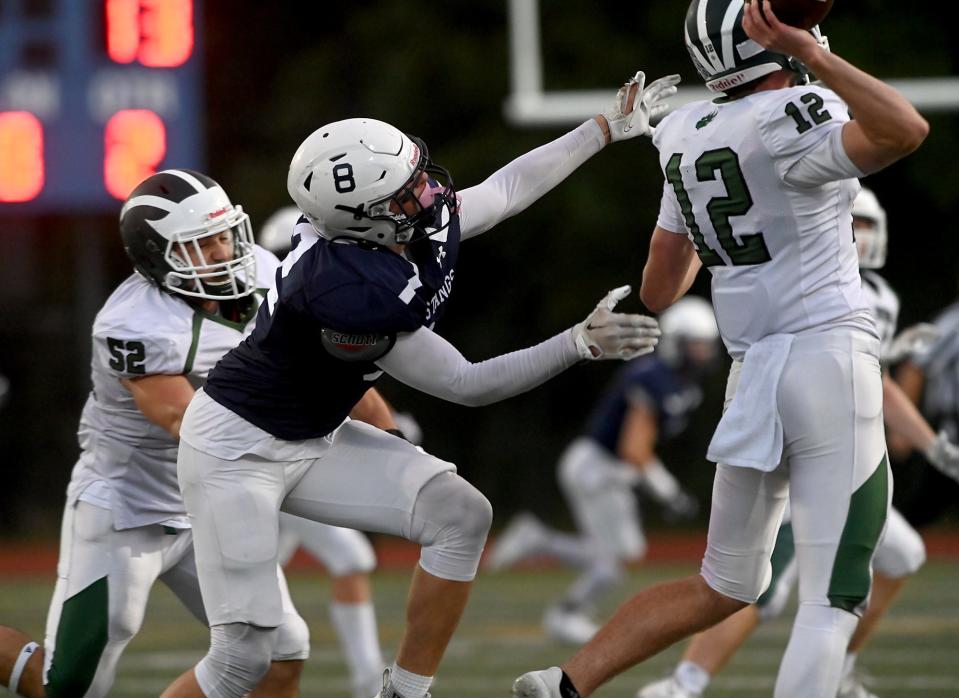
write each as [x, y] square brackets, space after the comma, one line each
[236, 99]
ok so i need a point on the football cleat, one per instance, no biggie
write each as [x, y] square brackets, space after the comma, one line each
[521, 538]
[539, 684]
[570, 627]
[665, 688]
[388, 691]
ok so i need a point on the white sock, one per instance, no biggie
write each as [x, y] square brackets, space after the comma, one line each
[355, 625]
[812, 664]
[691, 677]
[849, 665]
[408, 684]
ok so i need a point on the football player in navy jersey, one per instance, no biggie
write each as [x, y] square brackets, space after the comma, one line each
[649, 400]
[372, 265]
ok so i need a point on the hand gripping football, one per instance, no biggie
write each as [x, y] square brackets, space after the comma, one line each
[804, 14]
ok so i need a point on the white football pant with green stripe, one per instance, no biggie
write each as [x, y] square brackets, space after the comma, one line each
[836, 476]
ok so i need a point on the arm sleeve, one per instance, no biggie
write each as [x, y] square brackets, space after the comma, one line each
[512, 188]
[801, 128]
[670, 215]
[427, 362]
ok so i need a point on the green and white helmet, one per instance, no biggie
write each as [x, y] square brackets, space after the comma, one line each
[722, 52]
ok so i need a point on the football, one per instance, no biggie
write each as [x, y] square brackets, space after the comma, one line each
[804, 14]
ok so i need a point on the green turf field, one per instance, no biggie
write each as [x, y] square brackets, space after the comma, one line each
[915, 653]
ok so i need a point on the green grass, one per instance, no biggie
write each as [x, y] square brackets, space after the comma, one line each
[914, 654]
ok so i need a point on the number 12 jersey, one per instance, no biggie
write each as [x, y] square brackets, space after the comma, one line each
[763, 188]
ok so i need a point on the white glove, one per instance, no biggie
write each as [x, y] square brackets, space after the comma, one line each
[636, 106]
[912, 340]
[944, 454]
[682, 507]
[411, 429]
[608, 335]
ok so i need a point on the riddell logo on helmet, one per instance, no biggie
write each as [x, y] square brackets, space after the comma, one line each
[723, 83]
[415, 155]
[217, 213]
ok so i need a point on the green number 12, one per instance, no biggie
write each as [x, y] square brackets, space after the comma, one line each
[750, 249]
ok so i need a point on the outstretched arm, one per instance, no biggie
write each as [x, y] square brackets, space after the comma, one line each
[514, 187]
[427, 362]
[517, 185]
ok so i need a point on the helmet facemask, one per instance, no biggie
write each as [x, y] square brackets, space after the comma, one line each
[418, 212]
[169, 224]
[193, 275]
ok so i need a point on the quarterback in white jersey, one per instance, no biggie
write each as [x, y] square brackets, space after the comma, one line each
[900, 552]
[199, 280]
[759, 188]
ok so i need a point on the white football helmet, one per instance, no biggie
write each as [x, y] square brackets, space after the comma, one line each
[276, 232]
[872, 236]
[689, 319]
[345, 176]
[163, 224]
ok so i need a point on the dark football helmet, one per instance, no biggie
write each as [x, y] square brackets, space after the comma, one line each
[163, 224]
[724, 55]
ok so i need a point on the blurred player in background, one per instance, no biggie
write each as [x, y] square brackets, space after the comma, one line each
[199, 280]
[345, 553]
[650, 400]
[900, 552]
[759, 189]
[930, 378]
[371, 269]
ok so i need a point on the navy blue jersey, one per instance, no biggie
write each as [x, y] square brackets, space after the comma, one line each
[336, 308]
[649, 381]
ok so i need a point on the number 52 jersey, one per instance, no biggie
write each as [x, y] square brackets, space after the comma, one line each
[763, 188]
[127, 464]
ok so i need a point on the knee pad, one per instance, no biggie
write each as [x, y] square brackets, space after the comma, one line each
[450, 519]
[239, 657]
[738, 582]
[901, 551]
[292, 639]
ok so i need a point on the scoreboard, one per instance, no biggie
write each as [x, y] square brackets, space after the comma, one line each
[95, 95]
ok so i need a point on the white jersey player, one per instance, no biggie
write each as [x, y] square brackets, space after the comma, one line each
[759, 188]
[372, 267]
[199, 280]
[900, 552]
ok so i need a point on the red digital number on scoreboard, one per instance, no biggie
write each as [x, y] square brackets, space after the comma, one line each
[155, 33]
[134, 144]
[21, 156]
